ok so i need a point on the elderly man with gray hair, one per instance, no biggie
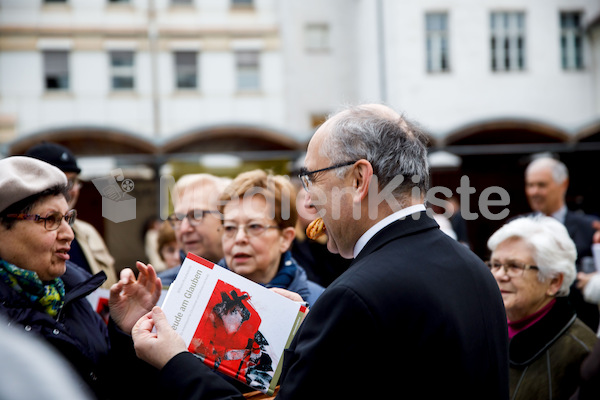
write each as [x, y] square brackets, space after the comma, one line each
[196, 219]
[546, 184]
[533, 261]
[416, 315]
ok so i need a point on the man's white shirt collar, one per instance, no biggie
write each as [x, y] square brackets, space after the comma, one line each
[362, 241]
[561, 214]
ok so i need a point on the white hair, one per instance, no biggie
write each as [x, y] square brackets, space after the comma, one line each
[558, 169]
[553, 249]
[192, 180]
[202, 186]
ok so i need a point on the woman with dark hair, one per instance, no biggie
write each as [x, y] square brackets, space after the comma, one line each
[44, 293]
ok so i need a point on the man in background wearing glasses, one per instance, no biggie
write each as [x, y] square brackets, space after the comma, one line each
[88, 249]
[196, 220]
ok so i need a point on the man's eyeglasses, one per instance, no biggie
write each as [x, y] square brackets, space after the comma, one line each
[305, 174]
[252, 230]
[512, 269]
[195, 217]
[51, 222]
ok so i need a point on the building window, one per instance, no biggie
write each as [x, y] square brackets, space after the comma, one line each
[508, 41]
[56, 69]
[248, 74]
[571, 40]
[122, 70]
[186, 76]
[317, 36]
[436, 25]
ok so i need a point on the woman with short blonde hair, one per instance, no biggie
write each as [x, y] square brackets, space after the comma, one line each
[259, 218]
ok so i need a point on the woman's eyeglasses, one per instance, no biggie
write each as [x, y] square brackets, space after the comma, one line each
[51, 222]
[252, 230]
[512, 269]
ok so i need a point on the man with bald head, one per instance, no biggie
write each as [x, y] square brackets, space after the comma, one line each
[546, 184]
[416, 315]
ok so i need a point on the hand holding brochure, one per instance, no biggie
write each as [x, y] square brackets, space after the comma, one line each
[236, 326]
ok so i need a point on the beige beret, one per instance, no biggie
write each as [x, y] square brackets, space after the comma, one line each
[21, 177]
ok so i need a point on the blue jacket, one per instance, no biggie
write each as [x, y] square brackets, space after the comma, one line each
[168, 276]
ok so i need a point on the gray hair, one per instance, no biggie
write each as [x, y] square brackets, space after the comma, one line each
[393, 146]
[210, 186]
[558, 169]
[193, 180]
[553, 249]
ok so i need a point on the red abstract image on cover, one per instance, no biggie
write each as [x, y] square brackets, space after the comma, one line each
[228, 338]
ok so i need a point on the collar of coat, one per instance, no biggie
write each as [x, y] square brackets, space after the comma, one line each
[526, 346]
[409, 225]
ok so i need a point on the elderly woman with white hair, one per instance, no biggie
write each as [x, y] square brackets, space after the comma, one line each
[533, 261]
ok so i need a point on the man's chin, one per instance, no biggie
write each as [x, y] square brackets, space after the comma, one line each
[194, 250]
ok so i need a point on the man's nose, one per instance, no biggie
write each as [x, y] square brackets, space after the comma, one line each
[307, 202]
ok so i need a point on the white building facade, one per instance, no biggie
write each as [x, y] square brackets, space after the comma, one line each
[161, 68]
[152, 81]
[153, 69]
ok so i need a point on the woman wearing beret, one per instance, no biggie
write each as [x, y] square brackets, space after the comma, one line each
[533, 261]
[44, 294]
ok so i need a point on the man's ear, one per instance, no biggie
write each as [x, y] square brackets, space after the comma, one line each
[565, 185]
[362, 174]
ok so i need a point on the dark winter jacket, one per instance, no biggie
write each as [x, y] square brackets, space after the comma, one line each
[394, 325]
[546, 357]
[77, 332]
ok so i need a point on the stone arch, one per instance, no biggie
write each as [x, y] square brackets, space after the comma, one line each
[230, 138]
[88, 141]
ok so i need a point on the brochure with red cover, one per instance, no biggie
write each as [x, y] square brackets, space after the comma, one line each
[235, 325]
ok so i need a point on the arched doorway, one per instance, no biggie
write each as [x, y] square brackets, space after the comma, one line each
[254, 147]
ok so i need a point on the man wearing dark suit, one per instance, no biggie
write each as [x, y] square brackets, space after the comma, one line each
[546, 184]
[416, 315]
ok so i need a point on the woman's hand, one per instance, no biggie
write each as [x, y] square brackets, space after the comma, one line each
[156, 348]
[583, 279]
[131, 298]
[289, 294]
